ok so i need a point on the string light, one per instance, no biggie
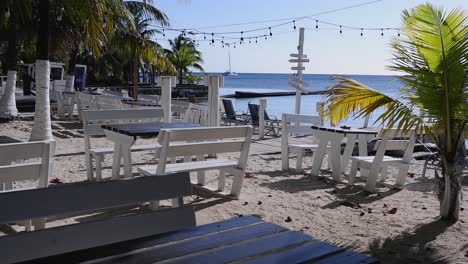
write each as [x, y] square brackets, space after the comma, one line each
[294, 22]
[204, 36]
[398, 32]
[382, 32]
[164, 34]
[271, 34]
[256, 40]
[212, 38]
[341, 31]
[242, 36]
[316, 24]
[362, 34]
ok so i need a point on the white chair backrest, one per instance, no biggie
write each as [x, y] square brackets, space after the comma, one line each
[59, 85]
[394, 139]
[109, 102]
[196, 114]
[150, 97]
[299, 124]
[111, 92]
[186, 142]
[86, 102]
[18, 162]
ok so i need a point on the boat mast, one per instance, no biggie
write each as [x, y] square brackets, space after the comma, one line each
[229, 54]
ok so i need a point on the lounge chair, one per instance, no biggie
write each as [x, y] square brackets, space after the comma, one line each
[272, 123]
[231, 117]
[166, 235]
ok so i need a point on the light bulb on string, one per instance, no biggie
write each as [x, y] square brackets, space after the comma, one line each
[250, 41]
[362, 34]
[212, 38]
[316, 24]
[164, 34]
[381, 34]
[398, 32]
[256, 40]
[204, 36]
[242, 36]
[222, 40]
[294, 23]
[271, 34]
[341, 30]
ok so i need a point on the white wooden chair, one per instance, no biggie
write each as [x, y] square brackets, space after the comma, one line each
[85, 101]
[26, 161]
[107, 102]
[371, 166]
[94, 119]
[297, 125]
[196, 114]
[200, 142]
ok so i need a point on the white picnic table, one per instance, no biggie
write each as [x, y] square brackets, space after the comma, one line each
[335, 136]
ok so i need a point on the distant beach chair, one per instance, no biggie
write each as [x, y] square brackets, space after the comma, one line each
[298, 126]
[168, 235]
[231, 117]
[200, 142]
[26, 161]
[272, 124]
[371, 166]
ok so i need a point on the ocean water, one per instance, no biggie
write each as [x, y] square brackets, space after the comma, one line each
[256, 82]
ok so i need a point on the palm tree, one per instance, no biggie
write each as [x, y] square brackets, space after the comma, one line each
[184, 55]
[134, 39]
[432, 55]
[16, 13]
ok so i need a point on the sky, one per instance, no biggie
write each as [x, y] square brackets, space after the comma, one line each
[329, 51]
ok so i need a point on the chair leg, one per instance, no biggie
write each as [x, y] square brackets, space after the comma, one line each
[99, 159]
[221, 180]
[89, 166]
[371, 181]
[237, 185]
[402, 174]
[383, 173]
[300, 154]
[285, 160]
[352, 173]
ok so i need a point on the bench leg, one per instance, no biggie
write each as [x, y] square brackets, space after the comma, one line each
[201, 173]
[285, 159]
[383, 173]
[402, 174]
[353, 172]
[237, 185]
[221, 180]
[99, 159]
[300, 154]
[89, 166]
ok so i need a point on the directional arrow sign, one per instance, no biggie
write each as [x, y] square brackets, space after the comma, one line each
[297, 55]
[295, 79]
[297, 86]
[299, 60]
[298, 68]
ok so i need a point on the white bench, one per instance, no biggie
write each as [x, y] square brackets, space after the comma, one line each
[200, 142]
[26, 161]
[85, 101]
[372, 166]
[94, 119]
[297, 125]
[106, 102]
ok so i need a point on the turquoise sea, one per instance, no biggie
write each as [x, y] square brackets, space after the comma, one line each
[269, 82]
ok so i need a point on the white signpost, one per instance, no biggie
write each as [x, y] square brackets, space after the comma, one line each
[296, 80]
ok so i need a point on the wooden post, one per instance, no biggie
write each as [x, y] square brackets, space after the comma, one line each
[261, 118]
[214, 83]
[166, 85]
[300, 49]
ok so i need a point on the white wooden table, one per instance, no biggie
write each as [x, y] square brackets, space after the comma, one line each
[124, 136]
[335, 136]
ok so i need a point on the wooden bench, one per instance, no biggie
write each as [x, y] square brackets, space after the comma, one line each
[167, 235]
[200, 142]
[92, 126]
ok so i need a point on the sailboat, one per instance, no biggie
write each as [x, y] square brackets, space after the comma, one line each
[229, 72]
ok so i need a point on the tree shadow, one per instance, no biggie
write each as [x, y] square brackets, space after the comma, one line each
[305, 183]
[412, 247]
[354, 196]
[7, 139]
[71, 126]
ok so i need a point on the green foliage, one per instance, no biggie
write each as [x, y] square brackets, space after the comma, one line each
[184, 55]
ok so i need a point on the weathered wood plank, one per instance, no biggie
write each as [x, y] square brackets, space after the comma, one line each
[78, 197]
[196, 245]
[63, 239]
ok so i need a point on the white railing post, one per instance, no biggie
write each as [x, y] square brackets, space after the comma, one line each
[166, 87]
[261, 118]
[214, 83]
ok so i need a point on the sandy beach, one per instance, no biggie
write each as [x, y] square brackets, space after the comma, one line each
[396, 226]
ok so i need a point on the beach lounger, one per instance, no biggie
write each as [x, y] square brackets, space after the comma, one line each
[272, 124]
[231, 117]
[167, 235]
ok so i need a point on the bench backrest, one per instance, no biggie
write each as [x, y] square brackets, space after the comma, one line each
[94, 119]
[396, 139]
[187, 142]
[111, 92]
[196, 114]
[25, 156]
[294, 124]
[85, 101]
[85, 197]
[149, 97]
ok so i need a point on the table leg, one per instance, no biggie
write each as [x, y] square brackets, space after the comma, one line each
[318, 155]
[116, 160]
[127, 158]
[335, 151]
[348, 151]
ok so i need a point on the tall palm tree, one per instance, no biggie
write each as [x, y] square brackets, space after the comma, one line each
[135, 39]
[432, 55]
[184, 55]
[16, 14]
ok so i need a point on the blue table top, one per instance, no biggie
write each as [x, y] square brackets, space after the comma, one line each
[150, 129]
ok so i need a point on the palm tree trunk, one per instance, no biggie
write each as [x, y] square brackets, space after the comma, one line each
[135, 78]
[181, 75]
[8, 110]
[42, 129]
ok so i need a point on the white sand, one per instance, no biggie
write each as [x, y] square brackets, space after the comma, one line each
[325, 210]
